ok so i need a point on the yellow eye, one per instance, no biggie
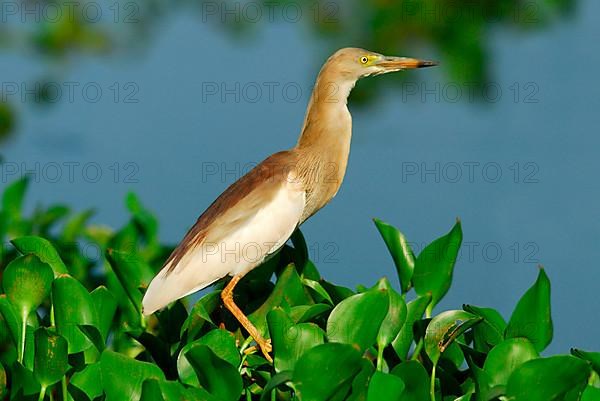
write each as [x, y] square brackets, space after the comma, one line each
[364, 59]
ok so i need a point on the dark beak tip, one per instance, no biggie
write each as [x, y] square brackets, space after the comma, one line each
[425, 63]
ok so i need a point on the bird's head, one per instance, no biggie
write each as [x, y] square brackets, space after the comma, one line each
[354, 63]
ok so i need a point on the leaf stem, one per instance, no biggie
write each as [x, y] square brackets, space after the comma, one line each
[42, 394]
[380, 359]
[63, 383]
[417, 350]
[432, 385]
[23, 337]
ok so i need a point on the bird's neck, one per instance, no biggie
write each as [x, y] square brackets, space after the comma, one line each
[324, 144]
[327, 119]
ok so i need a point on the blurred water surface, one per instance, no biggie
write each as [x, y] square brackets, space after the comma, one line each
[509, 144]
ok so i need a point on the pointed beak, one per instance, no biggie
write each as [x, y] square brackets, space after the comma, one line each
[390, 64]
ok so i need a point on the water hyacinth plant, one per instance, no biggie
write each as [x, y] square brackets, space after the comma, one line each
[71, 326]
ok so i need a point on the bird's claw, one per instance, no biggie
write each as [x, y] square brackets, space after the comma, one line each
[265, 346]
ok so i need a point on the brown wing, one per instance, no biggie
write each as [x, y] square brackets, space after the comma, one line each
[219, 216]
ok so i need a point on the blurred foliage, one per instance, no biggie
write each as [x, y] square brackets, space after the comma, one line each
[455, 31]
[71, 327]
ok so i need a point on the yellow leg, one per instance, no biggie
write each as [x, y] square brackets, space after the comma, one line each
[227, 297]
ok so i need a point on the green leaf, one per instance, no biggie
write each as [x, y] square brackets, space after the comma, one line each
[445, 328]
[402, 254]
[221, 343]
[435, 264]
[358, 319]
[304, 313]
[93, 334]
[548, 379]
[324, 370]
[44, 250]
[505, 357]
[105, 305]
[73, 306]
[395, 318]
[122, 377]
[591, 394]
[23, 382]
[360, 383]
[75, 226]
[532, 317]
[151, 391]
[291, 341]
[27, 282]
[415, 310]
[591, 357]
[88, 381]
[11, 319]
[200, 314]
[490, 331]
[132, 273]
[12, 198]
[318, 288]
[51, 357]
[288, 289]
[217, 376]
[385, 387]
[277, 380]
[415, 378]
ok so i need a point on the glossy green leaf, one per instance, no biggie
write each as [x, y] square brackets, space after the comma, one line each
[44, 250]
[505, 357]
[288, 289]
[337, 292]
[27, 282]
[445, 328]
[304, 313]
[73, 306]
[290, 341]
[415, 310]
[358, 319]
[151, 391]
[435, 265]
[12, 198]
[75, 226]
[51, 357]
[200, 314]
[217, 376]
[221, 343]
[324, 370]
[490, 331]
[360, 384]
[105, 305]
[415, 378]
[385, 387]
[395, 317]
[591, 394]
[318, 288]
[592, 357]
[11, 319]
[88, 381]
[402, 254]
[23, 382]
[548, 379]
[132, 273]
[122, 377]
[532, 317]
[277, 380]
